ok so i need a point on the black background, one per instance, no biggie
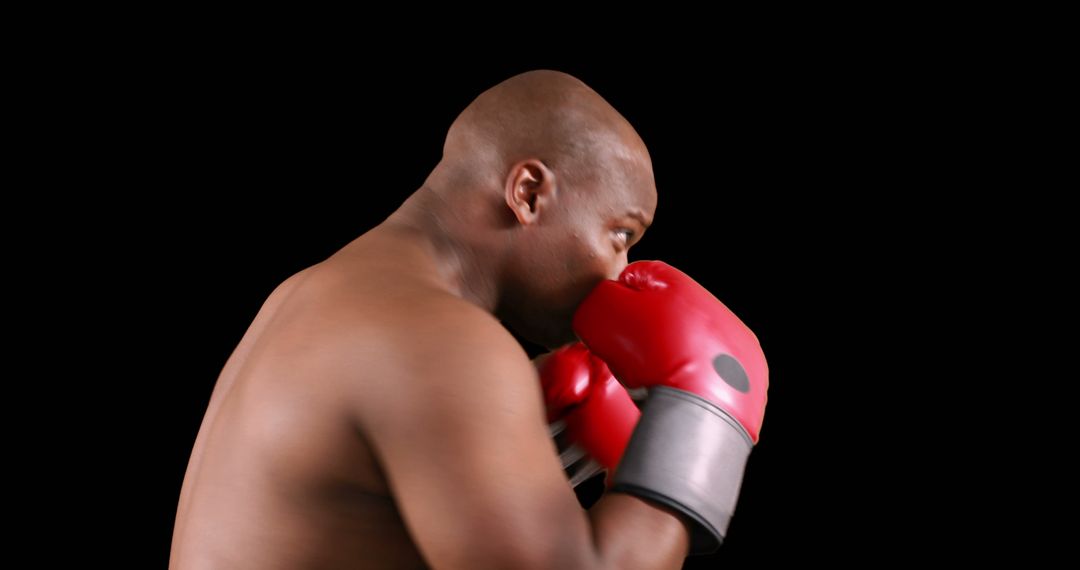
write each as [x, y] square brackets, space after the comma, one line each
[793, 189]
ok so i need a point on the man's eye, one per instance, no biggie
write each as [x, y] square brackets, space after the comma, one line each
[627, 235]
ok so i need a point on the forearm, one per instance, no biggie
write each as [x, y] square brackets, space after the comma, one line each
[625, 531]
[630, 533]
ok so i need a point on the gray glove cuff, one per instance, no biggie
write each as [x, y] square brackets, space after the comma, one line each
[687, 454]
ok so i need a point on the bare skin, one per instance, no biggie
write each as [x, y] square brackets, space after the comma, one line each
[377, 414]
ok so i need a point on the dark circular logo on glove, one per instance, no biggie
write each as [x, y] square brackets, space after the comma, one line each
[731, 372]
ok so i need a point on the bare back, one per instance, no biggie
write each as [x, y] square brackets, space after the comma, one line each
[282, 474]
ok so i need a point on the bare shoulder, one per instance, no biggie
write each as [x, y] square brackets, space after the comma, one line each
[395, 343]
[444, 327]
[435, 347]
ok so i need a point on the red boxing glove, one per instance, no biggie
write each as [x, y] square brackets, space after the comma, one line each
[599, 414]
[657, 326]
[706, 375]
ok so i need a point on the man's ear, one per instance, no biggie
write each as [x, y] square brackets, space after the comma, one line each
[530, 187]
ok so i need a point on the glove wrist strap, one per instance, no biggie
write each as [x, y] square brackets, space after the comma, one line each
[687, 454]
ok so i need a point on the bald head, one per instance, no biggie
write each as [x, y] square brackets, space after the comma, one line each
[547, 115]
[542, 189]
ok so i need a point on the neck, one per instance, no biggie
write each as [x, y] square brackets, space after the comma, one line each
[467, 268]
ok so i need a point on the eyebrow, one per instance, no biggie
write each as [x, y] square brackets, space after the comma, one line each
[639, 216]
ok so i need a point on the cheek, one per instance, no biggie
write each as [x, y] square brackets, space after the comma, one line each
[567, 269]
[586, 258]
[594, 249]
[602, 259]
[596, 261]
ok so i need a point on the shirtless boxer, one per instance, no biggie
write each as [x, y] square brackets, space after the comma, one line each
[377, 414]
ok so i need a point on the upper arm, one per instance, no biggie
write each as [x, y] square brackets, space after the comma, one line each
[463, 442]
